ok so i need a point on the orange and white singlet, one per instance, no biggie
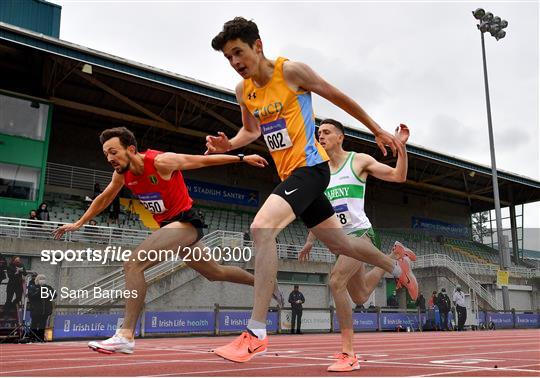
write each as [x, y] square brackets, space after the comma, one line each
[287, 122]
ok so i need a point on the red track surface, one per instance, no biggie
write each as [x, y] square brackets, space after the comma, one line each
[432, 354]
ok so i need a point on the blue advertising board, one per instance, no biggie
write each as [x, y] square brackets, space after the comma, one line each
[221, 193]
[393, 320]
[234, 321]
[87, 325]
[501, 320]
[481, 317]
[362, 321]
[440, 227]
[527, 321]
[176, 322]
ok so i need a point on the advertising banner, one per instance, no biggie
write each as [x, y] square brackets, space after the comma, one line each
[311, 320]
[527, 321]
[221, 193]
[393, 320]
[362, 321]
[439, 227]
[176, 322]
[235, 321]
[87, 325]
[501, 320]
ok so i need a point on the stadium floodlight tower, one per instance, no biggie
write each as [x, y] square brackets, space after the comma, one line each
[495, 26]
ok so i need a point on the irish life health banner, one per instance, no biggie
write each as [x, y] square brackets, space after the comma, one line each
[235, 321]
[362, 321]
[88, 325]
[178, 322]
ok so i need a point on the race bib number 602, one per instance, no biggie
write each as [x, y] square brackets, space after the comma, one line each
[276, 135]
[152, 202]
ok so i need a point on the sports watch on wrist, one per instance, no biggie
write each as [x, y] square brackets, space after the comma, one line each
[241, 156]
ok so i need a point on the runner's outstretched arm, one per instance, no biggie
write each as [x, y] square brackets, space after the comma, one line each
[99, 204]
[304, 253]
[302, 76]
[387, 173]
[249, 132]
[169, 161]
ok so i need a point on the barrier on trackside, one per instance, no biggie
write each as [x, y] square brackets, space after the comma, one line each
[86, 322]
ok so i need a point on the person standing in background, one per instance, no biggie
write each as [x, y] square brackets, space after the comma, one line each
[392, 300]
[15, 272]
[459, 302]
[43, 212]
[443, 302]
[421, 302]
[296, 299]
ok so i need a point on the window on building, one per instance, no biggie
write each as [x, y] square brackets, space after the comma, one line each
[24, 118]
[19, 182]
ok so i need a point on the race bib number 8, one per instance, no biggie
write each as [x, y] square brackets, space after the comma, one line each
[153, 202]
[343, 215]
[276, 135]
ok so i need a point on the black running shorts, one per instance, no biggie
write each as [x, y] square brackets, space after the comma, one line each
[304, 191]
[188, 216]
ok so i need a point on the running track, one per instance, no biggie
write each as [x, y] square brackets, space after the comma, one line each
[429, 354]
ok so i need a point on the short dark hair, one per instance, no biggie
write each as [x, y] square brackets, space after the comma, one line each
[237, 28]
[125, 135]
[338, 125]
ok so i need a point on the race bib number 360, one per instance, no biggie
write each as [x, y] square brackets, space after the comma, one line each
[152, 202]
[276, 135]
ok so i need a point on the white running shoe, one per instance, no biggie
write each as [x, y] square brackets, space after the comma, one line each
[115, 344]
[278, 296]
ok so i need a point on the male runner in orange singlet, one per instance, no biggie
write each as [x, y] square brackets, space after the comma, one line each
[275, 100]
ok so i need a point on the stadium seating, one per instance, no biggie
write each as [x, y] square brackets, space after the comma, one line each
[69, 208]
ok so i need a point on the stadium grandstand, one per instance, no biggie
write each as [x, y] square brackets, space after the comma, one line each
[56, 97]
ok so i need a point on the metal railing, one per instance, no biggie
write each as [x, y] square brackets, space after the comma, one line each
[75, 177]
[25, 228]
[116, 279]
[437, 260]
[291, 251]
[37, 229]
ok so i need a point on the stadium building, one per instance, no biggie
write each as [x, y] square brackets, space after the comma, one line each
[55, 99]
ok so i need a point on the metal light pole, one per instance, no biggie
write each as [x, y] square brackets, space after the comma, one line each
[495, 26]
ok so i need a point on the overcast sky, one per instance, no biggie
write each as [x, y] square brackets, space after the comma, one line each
[418, 63]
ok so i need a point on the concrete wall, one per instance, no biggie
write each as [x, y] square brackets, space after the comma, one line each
[520, 299]
[201, 293]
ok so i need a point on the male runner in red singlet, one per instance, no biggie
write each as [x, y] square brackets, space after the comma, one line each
[275, 100]
[156, 179]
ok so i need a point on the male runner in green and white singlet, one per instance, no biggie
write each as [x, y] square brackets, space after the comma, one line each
[346, 192]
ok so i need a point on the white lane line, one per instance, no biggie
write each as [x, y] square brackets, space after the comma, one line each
[517, 368]
[233, 371]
